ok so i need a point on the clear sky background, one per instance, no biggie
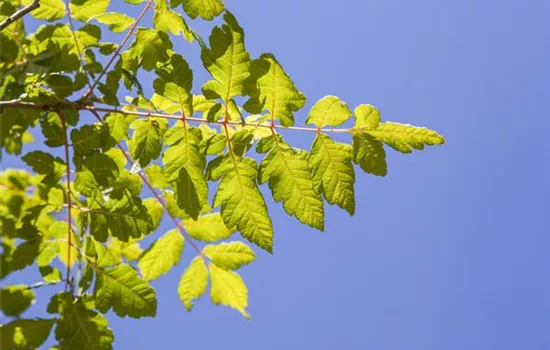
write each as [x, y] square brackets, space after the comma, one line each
[450, 250]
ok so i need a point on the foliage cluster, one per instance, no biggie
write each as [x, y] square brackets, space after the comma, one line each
[79, 219]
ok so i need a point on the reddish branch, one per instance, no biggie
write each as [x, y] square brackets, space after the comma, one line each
[159, 198]
[69, 200]
[76, 106]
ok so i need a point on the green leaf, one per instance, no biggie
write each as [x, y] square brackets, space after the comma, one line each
[86, 139]
[155, 209]
[184, 165]
[174, 82]
[123, 218]
[405, 137]
[329, 110]
[228, 289]
[206, 9]
[118, 22]
[366, 116]
[103, 168]
[167, 20]
[271, 89]
[155, 175]
[83, 10]
[149, 47]
[43, 163]
[193, 282]
[15, 299]
[369, 153]
[120, 288]
[230, 256]
[78, 327]
[10, 50]
[114, 130]
[49, 10]
[290, 181]
[333, 173]
[241, 142]
[25, 333]
[242, 204]
[146, 141]
[208, 228]
[227, 61]
[162, 255]
[50, 274]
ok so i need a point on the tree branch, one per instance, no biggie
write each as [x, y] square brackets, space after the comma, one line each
[17, 15]
[69, 200]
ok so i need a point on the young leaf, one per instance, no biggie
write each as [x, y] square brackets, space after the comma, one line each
[366, 117]
[206, 9]
[290, 181]
[329, 110]
[120, 288]
[174, 82]
[369, 153]
[155, 174]
[230, 256]
[228, 289]
[227, 60]
[49, 10]
[118, 22]
[193, 282]
[83, 10]
[208, 228]
[146, 141]
[242, 204]
[184, 165]
[271, 89]
[405, 137]
[162, 255]
[170, 21]
[333, 173]
[149, 47]
[129, 250]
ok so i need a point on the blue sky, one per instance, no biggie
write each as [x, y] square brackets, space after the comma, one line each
[450, 250]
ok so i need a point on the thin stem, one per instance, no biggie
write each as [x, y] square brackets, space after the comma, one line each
[117, 51]
[159, 198]
[76, 106]
[76, 43]
[19, 14]
[69, 200]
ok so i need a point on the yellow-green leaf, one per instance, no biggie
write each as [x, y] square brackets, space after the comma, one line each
[271, 89]
[208, 228]
[366, 116]
[118, 22]
[193, 282]
[228, 289]
[230, 256]
[405, 137]
[162, 255]
[49, 10]
[206, 9]
[227, 61]
[290, 181]
[329, 110]
[369, 153]
[333, 173]
[83, 10]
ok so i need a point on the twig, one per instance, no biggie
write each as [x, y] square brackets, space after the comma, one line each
[115, 54]
[76, 43]
[69, 200]
[17, 15]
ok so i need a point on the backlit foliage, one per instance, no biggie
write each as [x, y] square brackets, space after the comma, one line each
[112, 166]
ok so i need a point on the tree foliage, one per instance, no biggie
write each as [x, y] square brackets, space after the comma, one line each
[113, 167]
